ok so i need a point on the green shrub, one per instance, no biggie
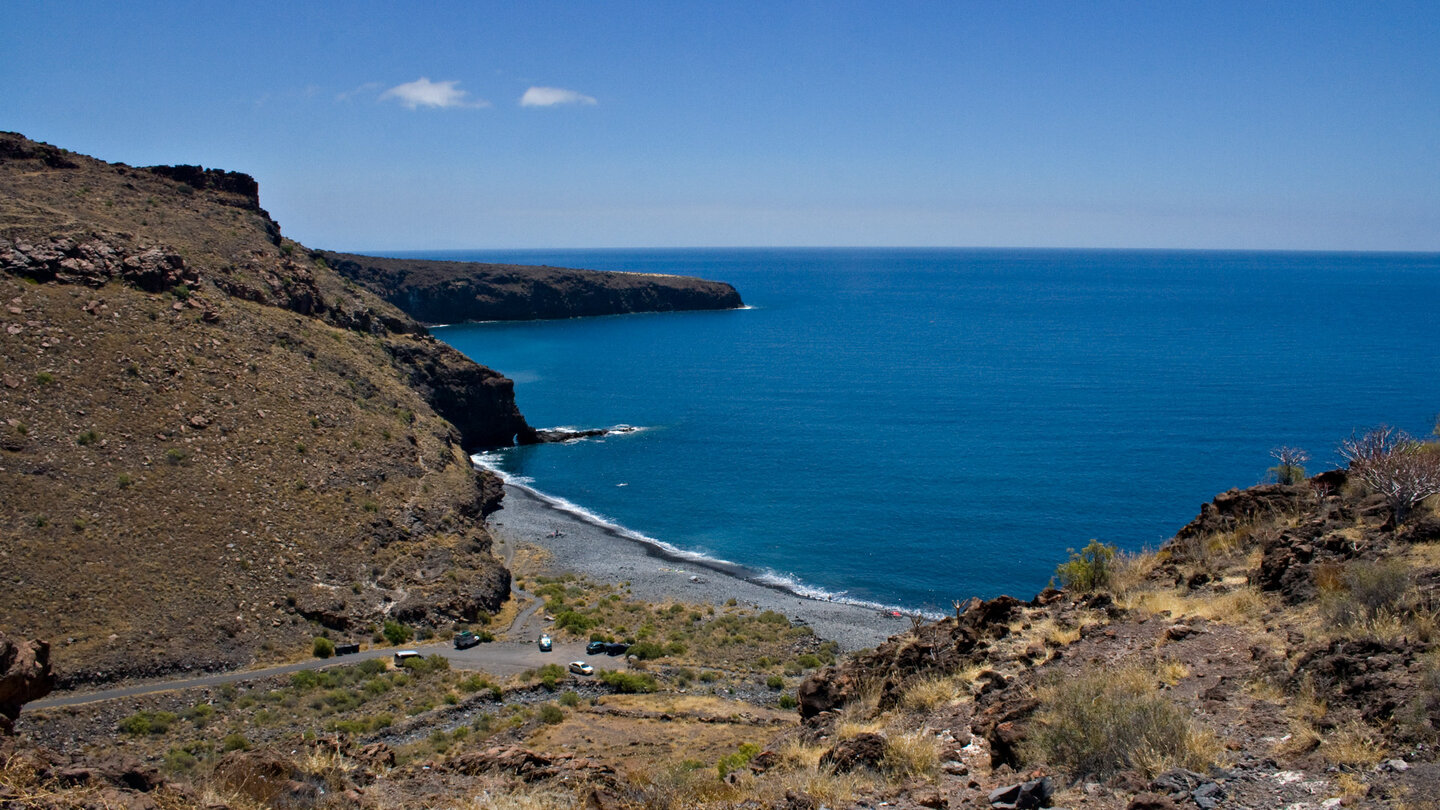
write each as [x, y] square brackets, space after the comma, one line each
[788, 702]
[175, 455]
[628, 682]
[396, 633]
[44, 378]
[148, 722]
[236, 742]
[551, 714]
[124, 480]
[87, 438]
[808, 661]
[323, 647]
[199, 714]
[775, 682]
[1088, 569]
[570, 698]
[473, 683]
[178, 760]
[647, 650]
[730, 763]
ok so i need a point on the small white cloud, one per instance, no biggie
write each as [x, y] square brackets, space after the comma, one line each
[553, 97]
[424, 93]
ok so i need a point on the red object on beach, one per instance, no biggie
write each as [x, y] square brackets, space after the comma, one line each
[895, 613]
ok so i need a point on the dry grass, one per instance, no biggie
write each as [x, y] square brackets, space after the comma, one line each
[1350, 787]
[1171, 672]
[1355, 745]
[928, 694]
[1303, 711]
[912, 754]
[1130, 570]
[1238, 605]
[1100, 721]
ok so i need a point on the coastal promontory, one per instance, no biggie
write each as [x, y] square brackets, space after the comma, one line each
[455, 292]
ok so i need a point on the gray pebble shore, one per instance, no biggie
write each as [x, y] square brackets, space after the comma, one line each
[604, 553]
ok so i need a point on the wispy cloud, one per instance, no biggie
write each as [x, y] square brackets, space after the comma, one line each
[553, 97]
[424, 93]
[363, 90]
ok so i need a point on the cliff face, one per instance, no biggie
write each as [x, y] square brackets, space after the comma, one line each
[212, 446]
[456, 292]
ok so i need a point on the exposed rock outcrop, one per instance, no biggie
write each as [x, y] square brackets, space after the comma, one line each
[456, 292]
[24, 676]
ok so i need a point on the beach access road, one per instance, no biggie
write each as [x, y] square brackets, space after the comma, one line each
[499, 658]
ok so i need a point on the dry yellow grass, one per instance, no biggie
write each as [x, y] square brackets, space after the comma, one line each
[1171, 671]
[912, 754]
[933, 692]
[1130, 570]
[1354, 744]
[1239, 605]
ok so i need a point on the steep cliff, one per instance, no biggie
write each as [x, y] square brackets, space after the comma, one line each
[212, 446]
[455, 292]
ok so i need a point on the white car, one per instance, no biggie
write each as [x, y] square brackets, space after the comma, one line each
[581, 668]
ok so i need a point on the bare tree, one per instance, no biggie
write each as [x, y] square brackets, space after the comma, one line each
[1291, 469]
[1403, 469]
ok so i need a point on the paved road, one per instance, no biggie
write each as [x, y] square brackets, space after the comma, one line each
[500, 658]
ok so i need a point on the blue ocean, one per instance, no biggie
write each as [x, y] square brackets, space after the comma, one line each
[909, 427]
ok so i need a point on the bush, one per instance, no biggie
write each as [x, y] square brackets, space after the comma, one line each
[730, 763]
[1088, 569]
[647, 650]
[628, 682]
[148, 722]
[788, 702]
[396, 633]
[323, 647]
[775, 682]
[1103, 721]
[551, 714]
[236, 742]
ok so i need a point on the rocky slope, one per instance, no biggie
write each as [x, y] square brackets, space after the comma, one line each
[211, 444]
[456, 292]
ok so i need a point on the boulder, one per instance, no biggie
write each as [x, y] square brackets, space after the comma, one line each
[1030, 795]
[825, 689]
[25, 675]
[865, 750]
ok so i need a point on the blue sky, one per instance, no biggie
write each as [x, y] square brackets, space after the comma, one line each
[375, 126]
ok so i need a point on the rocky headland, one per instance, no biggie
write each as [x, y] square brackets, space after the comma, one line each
[440, 292]
[212, 444]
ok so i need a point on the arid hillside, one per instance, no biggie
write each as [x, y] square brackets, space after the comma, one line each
[211, 442]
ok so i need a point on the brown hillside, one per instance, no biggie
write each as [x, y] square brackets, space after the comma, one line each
[209, 442]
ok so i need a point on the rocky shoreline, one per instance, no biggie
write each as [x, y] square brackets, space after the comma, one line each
[602, 552]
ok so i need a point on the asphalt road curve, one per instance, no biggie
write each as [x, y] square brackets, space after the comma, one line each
[498, 658]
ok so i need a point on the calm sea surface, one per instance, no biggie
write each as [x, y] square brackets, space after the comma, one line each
[908, 427]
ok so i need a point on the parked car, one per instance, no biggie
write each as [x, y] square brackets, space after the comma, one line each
[405, 655]
[595, 648]
[545, 643]
[581, 668]
[466, 640]
[616, 648]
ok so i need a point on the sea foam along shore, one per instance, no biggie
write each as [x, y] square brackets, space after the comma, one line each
[583, 543]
